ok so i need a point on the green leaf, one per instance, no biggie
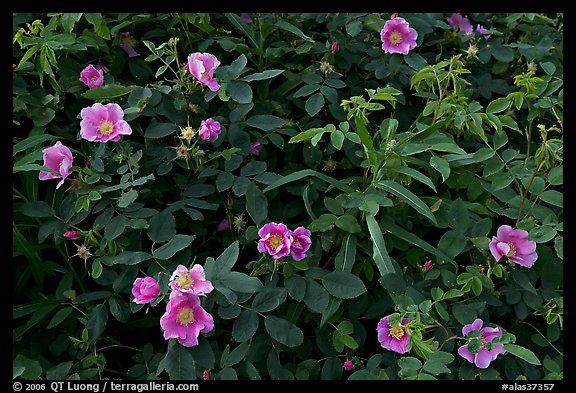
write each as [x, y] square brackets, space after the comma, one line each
[441, 165]
[37, 209]
[177, 243]
[498, 105]
[99, 24]
[59, 317]
[337, 139]
[314, 104]
[348, 223]
[241, 92]
[379, 252]
[245, 326]
[407, 196]
[316, 297]
[256, 204]
[258, 76]
[344, 261]
[307, 172]
[452, 243]
[97, 321]
[293, 29]
[158, 130]
[437, 361]
[30, 142]
[343, 285]
[115, 227]
[178, 362]
[415, 175]
[306, 90]
[32, 368]
[268, 299]
[107, 92]
[240, 282]
[130, 258]
[523, 353]
[265, 122]
[59, 371]
[306, 135]
[283, 331]
[552, 197]
[162, 227]
[556, 176]
[253, 168]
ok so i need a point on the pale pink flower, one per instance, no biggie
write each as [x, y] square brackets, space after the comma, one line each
[513, 244]
[275, 239]
[202, 66]
[300, 243]
[185, 319]
[348, 365]
[58, 158]
[71, 234]
[127, 44]
[458, 22]
[103, 123]
[398, 37]
[92, 77]
[480, 355]
[145, 290]
[190, 281]
[480, 29]
[255, 148]
[209, 130]
[393, 338]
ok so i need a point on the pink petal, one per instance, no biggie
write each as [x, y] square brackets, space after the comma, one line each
[504, 232]
[476, 325]
[483, 359]
[463, 351]
[525, 260]
[503, 248]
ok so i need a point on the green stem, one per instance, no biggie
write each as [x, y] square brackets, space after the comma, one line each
[525, 195]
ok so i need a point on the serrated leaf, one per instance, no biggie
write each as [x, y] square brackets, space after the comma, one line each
[258, 76]
[283, 331]
[314, 104]
[256, 204]
[177, 243]
[245, 326]
[107, 92]
[523, 353]
[130, 258]
[343, 285]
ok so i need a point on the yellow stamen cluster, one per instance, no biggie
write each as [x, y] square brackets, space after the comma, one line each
[185, 316]
[397, 332]
[185, 281]
[395, 38]
[105, 127]
[275, 241]
[512, 251]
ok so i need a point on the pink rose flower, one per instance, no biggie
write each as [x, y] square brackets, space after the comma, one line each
[92, 77]
[393, 338]
[202, 66]
[513, 244]
[458, 22]
[209, 130]
[480, 29]
[103, 123]
[59, 158]
[348, 365]
[185, 319]
[224, 225]
[335, 46]
[427, 265]
[127, 44]
[275, 239]
[398, 37]
[190, 281]
[71, 234]
[300, 243]
[145, 290]
[255, 148]
[245, 17]
[479, 354]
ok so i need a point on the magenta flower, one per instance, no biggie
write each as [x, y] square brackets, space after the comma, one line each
[475, 350]
[202, 66]
[206, 375]
[103, 123]
[398, 37]
[127, 44]
[209, 130]
[224, 225]
[393, 338]
[480, 29]
[513, 244]
[335, 46]
[59, 158]
[255, 148]
[348, 365]
[300, 243]
[92, 77]
[190, 281]
[71, 234]
[245, 17]
[145, 290]
[185, 319]
[458, 22]
[275, 239]
[427, 265]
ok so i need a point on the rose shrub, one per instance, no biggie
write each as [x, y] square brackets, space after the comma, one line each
[287, 196]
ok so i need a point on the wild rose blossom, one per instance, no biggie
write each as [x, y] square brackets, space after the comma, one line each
[300, 243]
[202, 66]
[71, 234]
[185, 319]
[190, 281]
[59, 158]
[393, 338]
[458, 22]
[255, 148]
[245, 17]
[103, 123]
[427, 265]
[480, 29]
[127, 44]
[348, 365]
[481, 356]
[92, 77]
[397, 36]
[335, 46]
[145, 290]
[513, 244]
[275, 239]
[224, 225]
[209, 130]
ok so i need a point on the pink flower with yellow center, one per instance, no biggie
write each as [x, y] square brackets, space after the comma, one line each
[58, 158]
[145, 290]
[478, 336]
[202, 66]
[275, 239]
[103, 123]
[185, 319]
[190, 281]
[300, 243]
[513, 244]
[209, 130]
[457, 21]
[398, 37]
[393, 338]
[92, 77]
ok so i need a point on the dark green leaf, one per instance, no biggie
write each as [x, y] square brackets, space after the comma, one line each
[37, 209]
[379, 253]
[283, 331]
[240, 92]
[343, 285]
[314, 104]
[523, 353]
[258, 76]
[130, 258]
[265, 122]
[96, 324]
[162, 227]
[245, 326]
[177, 243]
[256, 204]
[408, 197]
[107, 92]
[344, 261]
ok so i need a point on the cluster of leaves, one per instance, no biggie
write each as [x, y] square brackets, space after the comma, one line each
[389, 160]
